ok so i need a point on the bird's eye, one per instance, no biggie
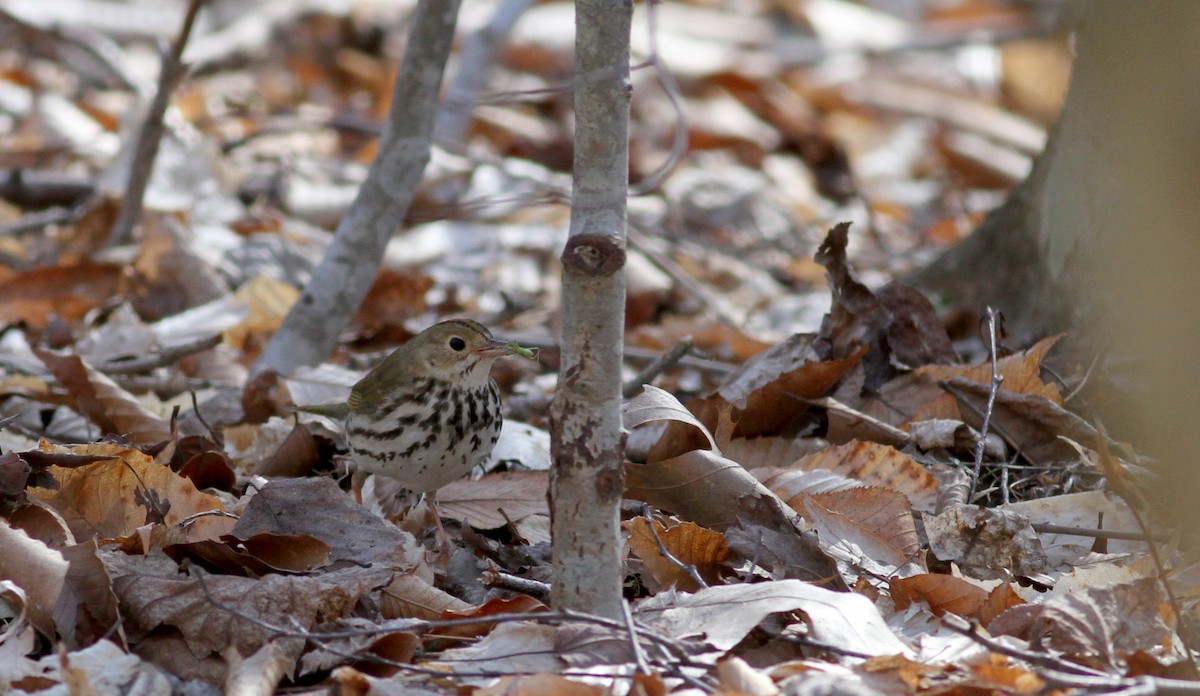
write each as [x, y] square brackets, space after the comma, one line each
[457, 344]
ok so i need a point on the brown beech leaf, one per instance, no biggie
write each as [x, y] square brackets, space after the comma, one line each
[258, 555]
[985, 542]
[878, 465]
[496, 499]
[917, 396]
[855, 546]
[520, 604]
[897, 323]
[113, 497]
[774, 390]
[153, 594]
[297, 456]
[883, 512]
[766, 535]
[1006, 678]
[68, 292]
[87, 609]
[392, 644]
[316, 507]
[699, 486]
[1039, 428]
[756, 452]
[410, 596]
[108, 406]
[948, 594]
[701, 548]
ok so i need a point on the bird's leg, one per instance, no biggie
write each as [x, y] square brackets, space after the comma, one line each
[357, 478]
[442, 537]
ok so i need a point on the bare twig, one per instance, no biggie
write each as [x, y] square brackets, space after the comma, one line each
[506, 581]
[669, 646]
[478, 53]
[150, 135]
[666, 80]
[1047, 528]
[688, 568]
[990, 316]
[639, 657]
[1087, 376]
[659, 365]
[341, 281]
[1042, 659]
[162, 358]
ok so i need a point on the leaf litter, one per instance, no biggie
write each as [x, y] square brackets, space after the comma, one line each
[800, 521]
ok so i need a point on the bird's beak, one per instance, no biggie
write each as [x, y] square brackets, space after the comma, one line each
[492, 349]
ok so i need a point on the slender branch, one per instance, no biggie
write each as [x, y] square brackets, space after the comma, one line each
[345, 274]
[506, 581]
[639, 657]
[478, 53]
[659, 365]
[146, 148]
[1047, 528]
[688, 568]
[162, 358]
[997, 379]
[679, 140]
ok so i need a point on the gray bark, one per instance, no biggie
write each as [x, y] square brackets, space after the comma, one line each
[587, 446]
[344, 276]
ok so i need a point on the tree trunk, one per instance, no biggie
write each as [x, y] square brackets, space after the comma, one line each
[587, 480]
[1103, 237]
[344, 276]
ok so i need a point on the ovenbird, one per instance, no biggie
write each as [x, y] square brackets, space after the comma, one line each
[430, 412]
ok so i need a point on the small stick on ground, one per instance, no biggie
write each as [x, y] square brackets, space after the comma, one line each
[659, 365]
[662, 549]
[990, 316]
[165, 356]
[150, 135]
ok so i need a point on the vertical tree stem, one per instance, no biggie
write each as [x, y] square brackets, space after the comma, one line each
[587, 481]
[344, 276]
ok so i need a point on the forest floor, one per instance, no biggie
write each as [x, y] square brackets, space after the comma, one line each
[833, 481]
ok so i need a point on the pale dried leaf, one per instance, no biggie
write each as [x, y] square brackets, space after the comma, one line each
[856, 547]
[985, 542]
[108, 406]
[699, 486]
[409, 596]
[39, 571]
[1106, 623]
[878, 465]
[721, 616]
[496, 499]
[655, 404]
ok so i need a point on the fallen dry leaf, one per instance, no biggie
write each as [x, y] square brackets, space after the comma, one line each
[496, 499]
[878, 465]
[114, 410]
[112, 498]
[690, 544]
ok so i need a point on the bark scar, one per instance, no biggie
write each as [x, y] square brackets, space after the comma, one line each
[593, 254]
